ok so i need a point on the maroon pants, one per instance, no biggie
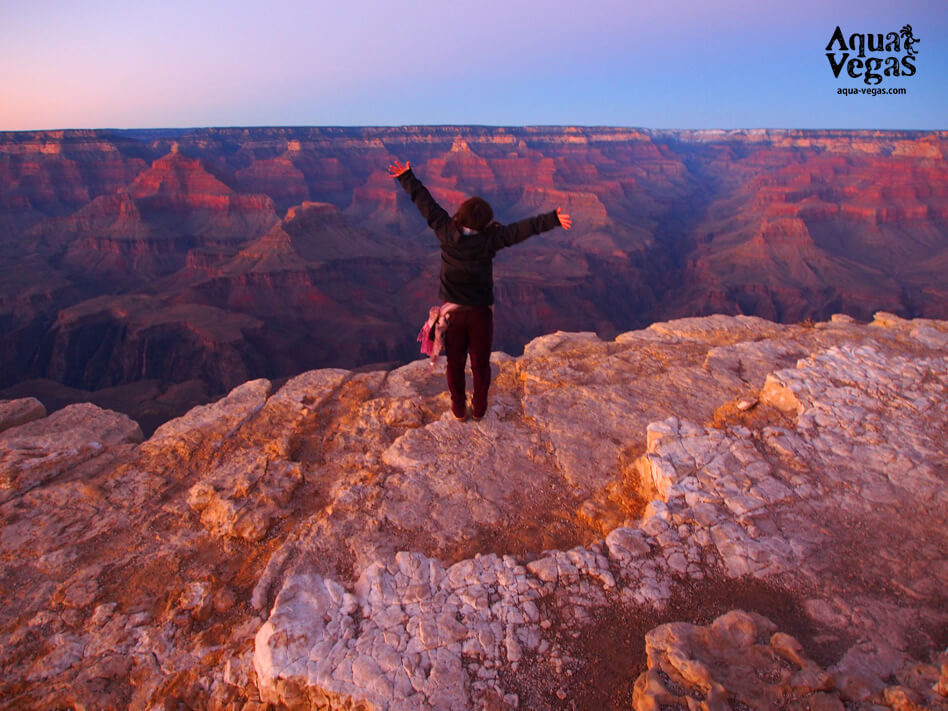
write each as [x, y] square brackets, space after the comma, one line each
[470, 330]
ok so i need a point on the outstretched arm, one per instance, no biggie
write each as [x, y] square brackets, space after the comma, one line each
[516, 232]
[434, 214]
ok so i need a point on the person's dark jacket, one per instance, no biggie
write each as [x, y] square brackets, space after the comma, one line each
[467, 273]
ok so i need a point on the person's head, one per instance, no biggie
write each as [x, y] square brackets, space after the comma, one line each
[475, 213]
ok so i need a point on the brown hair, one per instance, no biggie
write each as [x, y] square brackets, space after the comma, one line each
[475, 213]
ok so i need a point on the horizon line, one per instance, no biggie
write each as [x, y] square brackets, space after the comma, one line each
[236, 127]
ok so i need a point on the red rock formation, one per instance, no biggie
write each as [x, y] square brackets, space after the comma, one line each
[375, 201]
[276, 177]
[866, 214]
[273, 252]
[55, 172]
[786, 224]
[176, 183]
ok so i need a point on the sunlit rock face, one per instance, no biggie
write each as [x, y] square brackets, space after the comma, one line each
[151, 270]
[713, 512]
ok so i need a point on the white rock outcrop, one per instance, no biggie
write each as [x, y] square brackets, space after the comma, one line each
[344, 543]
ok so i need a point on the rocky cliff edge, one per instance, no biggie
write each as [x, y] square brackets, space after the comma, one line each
[710, 513]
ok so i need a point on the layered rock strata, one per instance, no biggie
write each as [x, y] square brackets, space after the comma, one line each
[342, 542]
[786, 225]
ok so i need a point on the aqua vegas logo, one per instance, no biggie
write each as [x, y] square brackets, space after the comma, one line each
[872, 57]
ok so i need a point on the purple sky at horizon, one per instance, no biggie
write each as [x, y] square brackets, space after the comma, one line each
[673, 64]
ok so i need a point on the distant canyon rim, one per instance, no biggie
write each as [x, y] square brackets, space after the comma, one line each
[152, 270]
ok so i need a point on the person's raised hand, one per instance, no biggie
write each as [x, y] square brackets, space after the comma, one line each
[565, 220]
[397, 168]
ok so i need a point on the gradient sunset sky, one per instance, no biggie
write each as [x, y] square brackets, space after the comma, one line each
[657, 64]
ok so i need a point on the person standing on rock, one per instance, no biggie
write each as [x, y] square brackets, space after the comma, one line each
[469, 241]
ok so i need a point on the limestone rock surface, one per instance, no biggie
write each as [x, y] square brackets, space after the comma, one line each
[40, 449]
[649, 508]
[739, 659]
[19, 412]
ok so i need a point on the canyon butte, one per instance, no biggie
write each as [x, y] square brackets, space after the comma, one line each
[149, 271]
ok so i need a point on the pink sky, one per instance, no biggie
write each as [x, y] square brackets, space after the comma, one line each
[375, 62]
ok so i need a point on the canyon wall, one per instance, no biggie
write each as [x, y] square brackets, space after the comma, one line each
[151, 270]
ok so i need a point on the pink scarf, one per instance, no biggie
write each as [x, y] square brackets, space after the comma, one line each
[431, 335]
